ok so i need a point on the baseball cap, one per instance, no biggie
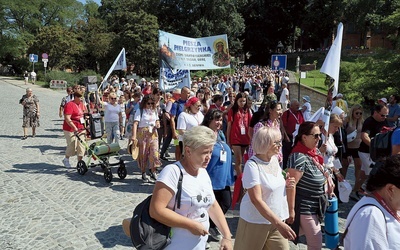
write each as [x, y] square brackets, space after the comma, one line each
[383, 100]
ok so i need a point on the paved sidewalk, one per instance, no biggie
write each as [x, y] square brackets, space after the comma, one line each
[46, 206]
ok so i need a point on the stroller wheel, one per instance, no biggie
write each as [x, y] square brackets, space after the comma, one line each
[108, 175]
[122, 171]
[81, 167]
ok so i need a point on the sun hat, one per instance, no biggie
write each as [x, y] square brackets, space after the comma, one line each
[307, 98]
[340, 95]
[133, 149]
[344, 191]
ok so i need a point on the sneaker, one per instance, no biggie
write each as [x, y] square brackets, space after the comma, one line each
[65, 161]
[214, 234]
[154, 175]
[145, 178]
[167, 155]
[163, 158]
[208, 246]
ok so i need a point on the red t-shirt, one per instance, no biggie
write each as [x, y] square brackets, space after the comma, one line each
[147, 91]
[76, 111]
[213, 106]
[290, 119]
[241, 119]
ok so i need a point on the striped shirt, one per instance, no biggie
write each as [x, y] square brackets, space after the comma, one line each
[310, 186]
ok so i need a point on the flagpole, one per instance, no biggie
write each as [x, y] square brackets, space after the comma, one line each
[111, 68]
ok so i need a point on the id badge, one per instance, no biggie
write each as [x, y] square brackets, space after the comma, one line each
[222, 156]
[82, 120]
[242, 130]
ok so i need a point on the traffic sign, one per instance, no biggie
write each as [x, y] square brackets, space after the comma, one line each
[45, 56]
[33, 58]
[45, 60]
[278, 62]
[45, 64]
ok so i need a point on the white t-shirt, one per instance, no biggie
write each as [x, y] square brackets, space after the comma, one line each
[307, 112]
[111, 112]
[283, 99]
[187, 121]
[273, 190]
[197, 197]
[146, 118]
[369, 230]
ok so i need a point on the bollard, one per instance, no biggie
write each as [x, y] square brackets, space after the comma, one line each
[332, 224]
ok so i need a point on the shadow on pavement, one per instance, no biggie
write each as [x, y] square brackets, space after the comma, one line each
[44, 148]
[54, 129]
[11, 136]
[34, 168]
[113, 236]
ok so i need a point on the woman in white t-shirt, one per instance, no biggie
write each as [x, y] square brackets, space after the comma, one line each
[190, 118]
[264, 207]
[190, 223]
[144, 131]
[374, 222]
[112, 118]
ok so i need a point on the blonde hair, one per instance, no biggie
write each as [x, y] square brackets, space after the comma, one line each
[199, 136]
[350, 120]
[264, 138]
[335, 119]
[113, 94]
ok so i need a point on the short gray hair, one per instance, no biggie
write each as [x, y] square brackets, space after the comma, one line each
[199, 136]
[264, 138]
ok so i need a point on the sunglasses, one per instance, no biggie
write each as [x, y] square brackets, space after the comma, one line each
[384, 116]
[150, 103]
[358, 113]
[316, 136]
[113, 98]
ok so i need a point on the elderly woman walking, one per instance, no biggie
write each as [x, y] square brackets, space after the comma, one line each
[31, 113]
[190, 223]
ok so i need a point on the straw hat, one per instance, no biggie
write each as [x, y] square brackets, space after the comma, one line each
[133, 149]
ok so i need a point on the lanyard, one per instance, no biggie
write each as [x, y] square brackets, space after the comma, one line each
[295, 117]
[383, 203]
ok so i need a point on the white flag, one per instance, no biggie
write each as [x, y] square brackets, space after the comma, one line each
[331, 64]
[119, 64]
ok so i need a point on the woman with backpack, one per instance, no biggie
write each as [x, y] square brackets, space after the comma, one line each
[189, 219]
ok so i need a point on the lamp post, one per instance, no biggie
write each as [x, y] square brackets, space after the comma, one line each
[298, 61]
[279, 47]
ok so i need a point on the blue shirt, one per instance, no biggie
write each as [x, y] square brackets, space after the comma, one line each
[177, 108]
[396, 137]
[394, 110]
[220, 172]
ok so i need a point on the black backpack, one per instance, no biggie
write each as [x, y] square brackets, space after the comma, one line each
[146, 232]
[381, 146]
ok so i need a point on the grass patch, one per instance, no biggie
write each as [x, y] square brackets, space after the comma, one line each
[314, 79]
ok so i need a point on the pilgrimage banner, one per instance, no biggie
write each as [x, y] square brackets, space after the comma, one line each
[179, 52]
[170, 80]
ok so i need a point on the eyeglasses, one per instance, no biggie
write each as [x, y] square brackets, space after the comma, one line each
[278, 143]
[358, 113]
[316, 136]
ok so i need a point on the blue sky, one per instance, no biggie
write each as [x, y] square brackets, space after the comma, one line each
[84, 1]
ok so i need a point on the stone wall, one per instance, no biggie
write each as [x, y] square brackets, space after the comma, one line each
[318, 99]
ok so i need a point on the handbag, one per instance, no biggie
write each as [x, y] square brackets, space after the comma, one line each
[352, 136]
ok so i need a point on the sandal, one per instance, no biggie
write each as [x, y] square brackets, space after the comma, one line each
[33, 136]
[24, 137]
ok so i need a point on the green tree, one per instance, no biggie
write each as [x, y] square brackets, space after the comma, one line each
[60, 43]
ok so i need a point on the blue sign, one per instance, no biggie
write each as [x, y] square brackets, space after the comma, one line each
[33, 58]
[278, 62]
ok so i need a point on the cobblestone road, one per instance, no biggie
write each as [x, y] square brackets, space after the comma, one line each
[45, 206]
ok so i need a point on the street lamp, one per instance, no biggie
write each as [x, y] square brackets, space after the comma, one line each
[279, 47]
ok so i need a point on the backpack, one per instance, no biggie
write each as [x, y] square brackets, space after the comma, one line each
[381, 145]
[146, 232]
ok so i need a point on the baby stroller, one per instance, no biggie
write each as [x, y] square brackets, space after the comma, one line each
[100, 151]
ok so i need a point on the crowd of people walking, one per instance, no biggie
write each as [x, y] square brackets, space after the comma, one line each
[234, 128]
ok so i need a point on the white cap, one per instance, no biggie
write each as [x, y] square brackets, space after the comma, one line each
[383, 100]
